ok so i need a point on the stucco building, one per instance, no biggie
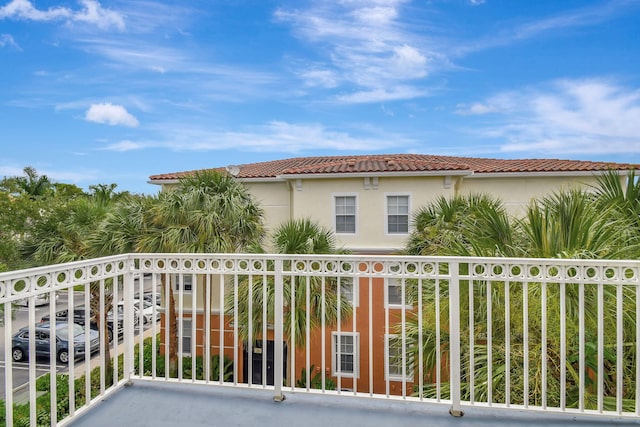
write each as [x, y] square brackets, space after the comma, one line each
[368, 201]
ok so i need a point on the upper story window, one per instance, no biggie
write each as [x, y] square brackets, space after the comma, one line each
[397, 214]
[345, 210]
[184, 282]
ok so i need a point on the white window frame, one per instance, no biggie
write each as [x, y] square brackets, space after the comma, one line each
[335, 196]
[187, 326]
[183, 278]
[395, 282]
[353, 295]
[409, 369]
[336, 364]
[387, 214]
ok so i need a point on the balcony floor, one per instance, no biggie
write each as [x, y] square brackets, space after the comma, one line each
[164, 404]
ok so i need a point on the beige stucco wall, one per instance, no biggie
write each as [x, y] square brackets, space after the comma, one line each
[314, 198]
[274, 198]
[516, 193]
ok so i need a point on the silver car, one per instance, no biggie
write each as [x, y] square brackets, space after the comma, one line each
[20, 343]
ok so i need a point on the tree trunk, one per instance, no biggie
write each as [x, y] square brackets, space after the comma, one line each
[171, 318]
[104, 329]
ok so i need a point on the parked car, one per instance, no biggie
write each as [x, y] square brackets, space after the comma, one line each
[147, 310]
[40, 299]
[20, 342]
[120, 311]
[153, 297]
[79, 316]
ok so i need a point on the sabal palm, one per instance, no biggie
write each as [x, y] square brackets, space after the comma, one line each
[565, 224]
[305, 299]
[208, 212]
[621, 198]
[474, 224]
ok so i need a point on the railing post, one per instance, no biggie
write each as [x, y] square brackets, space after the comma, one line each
[278, 375]
[454, 339]
[129, 327]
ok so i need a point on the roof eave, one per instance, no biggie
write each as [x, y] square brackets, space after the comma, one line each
[375, 174]
[532, 174]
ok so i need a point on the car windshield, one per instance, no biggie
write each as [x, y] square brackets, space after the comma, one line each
[63, 331]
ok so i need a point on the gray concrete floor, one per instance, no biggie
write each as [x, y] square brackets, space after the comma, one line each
[163, 404]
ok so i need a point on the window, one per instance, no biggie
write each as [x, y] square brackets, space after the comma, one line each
[395, 360]
[345, 354]
[397, 214]
[345, 214]
[394, 293]
[184, 281]
[186, 336]
[348, 291]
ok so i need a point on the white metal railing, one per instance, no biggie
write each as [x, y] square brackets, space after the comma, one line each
[536, 334]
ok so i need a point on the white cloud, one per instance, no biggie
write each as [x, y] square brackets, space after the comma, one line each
[381, 95]
[321, 78]
[574, 18]
[23, 9]
[110, 114]
[367, 49]
[7, 40]
[125, 146]
[568, 116]
[275, 136]
[476, 2]
[91, 12]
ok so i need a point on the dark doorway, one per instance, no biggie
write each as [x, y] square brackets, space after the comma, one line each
[257, 356]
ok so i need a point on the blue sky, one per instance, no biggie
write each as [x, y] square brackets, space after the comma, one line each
[114, 91]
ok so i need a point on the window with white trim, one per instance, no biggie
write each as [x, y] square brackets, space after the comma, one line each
[345, 211]
[397, 214]
[345, 354]
[184, 281]
[395, 361]
[348, 291]
[186, 336]
[394, 289]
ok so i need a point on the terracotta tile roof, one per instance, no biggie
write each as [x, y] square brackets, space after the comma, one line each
[387, 163]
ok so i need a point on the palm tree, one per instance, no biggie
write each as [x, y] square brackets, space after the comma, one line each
[441, 227]
[33, 184]
[621, 198]
[568, 224]
[208, 212]
[301, 236]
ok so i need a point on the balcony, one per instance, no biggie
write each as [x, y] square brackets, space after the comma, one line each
[345, 339]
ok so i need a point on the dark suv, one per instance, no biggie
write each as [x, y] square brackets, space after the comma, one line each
[79, 318]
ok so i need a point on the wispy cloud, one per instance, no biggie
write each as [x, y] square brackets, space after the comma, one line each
[575, 18]
[91, 12]
[372, 67]
[275, 136]
[567, 116]
[110, 114]
[7, 40]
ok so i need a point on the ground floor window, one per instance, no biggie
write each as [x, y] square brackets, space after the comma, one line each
[345, 354]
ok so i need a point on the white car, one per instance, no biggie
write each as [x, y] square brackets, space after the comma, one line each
[147, 310]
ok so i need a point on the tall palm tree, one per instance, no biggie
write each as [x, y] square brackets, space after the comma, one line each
[208, 212]
[301, 236]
